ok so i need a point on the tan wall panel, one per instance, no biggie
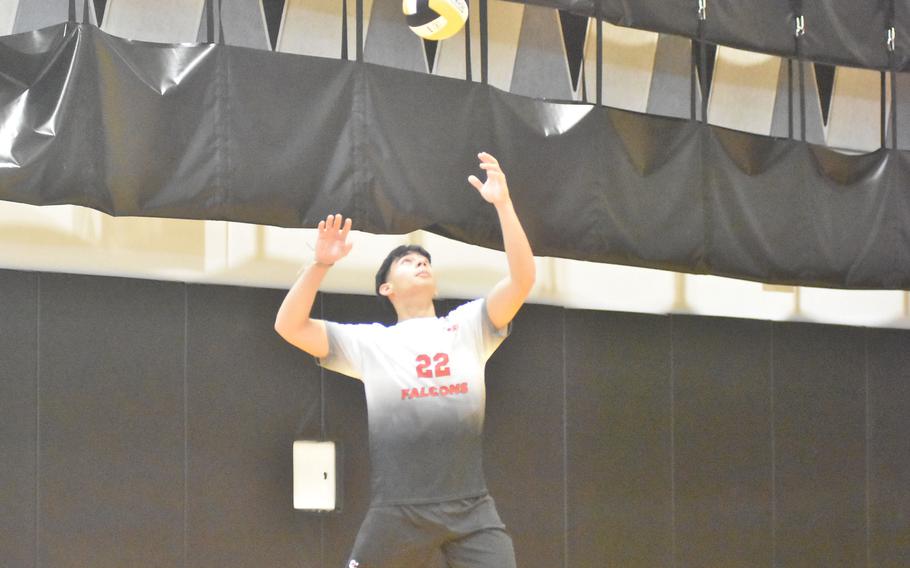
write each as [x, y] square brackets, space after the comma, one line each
[504, 25]
[450, 61]
[389, 41]
[49, 225]
[743, 91]
[670, 92]
[37, 14]
[628, 65]
[165, 21]
[854, 118]
[815, 128]
[168, 236]
[78, 240]
[243, 22]
[541, 69]
[313, 27]
[8, 16]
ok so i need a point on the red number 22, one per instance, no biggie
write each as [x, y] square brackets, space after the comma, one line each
[424, 364]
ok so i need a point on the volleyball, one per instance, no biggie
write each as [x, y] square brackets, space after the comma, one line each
[435, 19]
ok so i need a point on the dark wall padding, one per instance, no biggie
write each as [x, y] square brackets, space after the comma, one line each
[820, 434]
[246, 398]
[619, 440]
[837, 32]
[18, 417]
[889, 447]
[150, 424]
[724, 474]
[220, 132]
[111, 428]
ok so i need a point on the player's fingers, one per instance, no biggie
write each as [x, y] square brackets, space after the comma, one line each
[489, 167]
[321, 227]
[486, 157]
[347, 228]
[475, 182]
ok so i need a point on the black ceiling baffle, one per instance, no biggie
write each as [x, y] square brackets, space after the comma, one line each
[844, 32]
[358, 15]
[702, 15]
[344, 29]
[644, 190]
[598, 20]
[890, 46]
[100, 7]
[467, 45]
[799, 30]
[214, 26]
[209, 21]
[484, 42]
[273, 12]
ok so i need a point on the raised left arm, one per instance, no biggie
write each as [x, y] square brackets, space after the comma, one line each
[508, 295]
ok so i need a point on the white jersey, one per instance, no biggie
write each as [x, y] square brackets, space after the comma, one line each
[424, 384]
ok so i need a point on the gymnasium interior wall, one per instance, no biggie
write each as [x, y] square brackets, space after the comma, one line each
[150, 423]
[534, 51]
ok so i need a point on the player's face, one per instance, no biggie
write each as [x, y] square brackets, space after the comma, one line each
[412, 271]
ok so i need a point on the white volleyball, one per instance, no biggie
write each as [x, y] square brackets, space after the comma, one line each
[435, 19]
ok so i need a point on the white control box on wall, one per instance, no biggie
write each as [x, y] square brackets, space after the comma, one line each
[314, 475]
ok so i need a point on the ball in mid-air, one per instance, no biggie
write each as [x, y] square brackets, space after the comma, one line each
[435, 19]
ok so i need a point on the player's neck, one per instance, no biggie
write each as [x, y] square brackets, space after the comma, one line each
[412, 310]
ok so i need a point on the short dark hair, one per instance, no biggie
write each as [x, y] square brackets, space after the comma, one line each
[398, 252]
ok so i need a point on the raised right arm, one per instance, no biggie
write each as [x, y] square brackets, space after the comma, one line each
[293, 321]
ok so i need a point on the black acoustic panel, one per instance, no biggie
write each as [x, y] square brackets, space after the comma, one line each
[524, 436]
[574, 37]
[819, 440]
[902, 33]
[111, 429]
[836, 31]
[100, 6]
[18, 417]
[846, 32]
[674, 16]
[320, 101]
[889, 448]
[619, 441]
[346, 423]
[747, 24]
[388, 155]
[247, 393]
[722, 432]
[856, 202]
[273, 12]
[824, 82]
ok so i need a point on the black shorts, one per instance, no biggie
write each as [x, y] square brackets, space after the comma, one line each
[467, 532]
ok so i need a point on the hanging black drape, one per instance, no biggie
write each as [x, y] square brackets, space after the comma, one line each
[838, 32]
[220, 132]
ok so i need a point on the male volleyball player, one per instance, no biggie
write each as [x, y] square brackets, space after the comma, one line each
[424, 384]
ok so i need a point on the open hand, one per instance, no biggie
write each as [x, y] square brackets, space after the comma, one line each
[332, 239]
[494, 189]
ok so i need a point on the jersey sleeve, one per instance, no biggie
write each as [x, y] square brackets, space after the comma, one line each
[475, 319]
[348, 344]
